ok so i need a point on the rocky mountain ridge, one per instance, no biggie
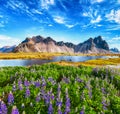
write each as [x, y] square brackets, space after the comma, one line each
[41, 44]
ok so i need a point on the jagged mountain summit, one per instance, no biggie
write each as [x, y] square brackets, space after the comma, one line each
[41, 44]
[96, 45]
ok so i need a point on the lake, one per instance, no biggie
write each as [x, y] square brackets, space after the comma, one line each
[27, 62]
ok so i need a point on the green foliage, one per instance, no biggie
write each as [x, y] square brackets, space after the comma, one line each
[92, 90]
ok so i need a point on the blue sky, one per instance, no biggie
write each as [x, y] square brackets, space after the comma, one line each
[68, 20]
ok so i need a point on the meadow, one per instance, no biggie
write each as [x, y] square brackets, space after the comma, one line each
[55, 89]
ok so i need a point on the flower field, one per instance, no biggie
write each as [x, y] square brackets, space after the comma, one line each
[54, 89]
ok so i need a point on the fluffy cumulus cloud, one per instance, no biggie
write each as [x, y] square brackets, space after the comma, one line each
[9, 41]
[114, 15]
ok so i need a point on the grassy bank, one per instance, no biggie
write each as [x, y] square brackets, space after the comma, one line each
[97, 62]
[29, 55]
[43, 55]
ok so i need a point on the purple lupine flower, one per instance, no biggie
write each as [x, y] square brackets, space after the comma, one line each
[19, 82]
[103, 90]
[104, 104]
[14, 87]
[10, 98]
[66, 80]
[67, 103]
[50, 109]
[43, 84]
[37, 83]
[59, 111]
[3, 108]
[67, 109]
[82, 112]
[15, 110]
[59, 88]
[26, 83]
[27, 93]
[59, 104]
[20, 87]
[78, 80]
[52, 96]
[50, 79]
[47, 98]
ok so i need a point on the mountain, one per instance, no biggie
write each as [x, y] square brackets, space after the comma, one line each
[96, 45]
[41, 44]
[114, 50]
[7, 49]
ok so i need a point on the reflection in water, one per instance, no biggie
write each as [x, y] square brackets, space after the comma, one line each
[24, 62]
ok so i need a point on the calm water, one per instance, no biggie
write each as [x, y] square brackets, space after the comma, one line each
[24, 62]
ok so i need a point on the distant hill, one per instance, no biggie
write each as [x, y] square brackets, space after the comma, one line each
[114, 50]
[41, 44]
[7, 49]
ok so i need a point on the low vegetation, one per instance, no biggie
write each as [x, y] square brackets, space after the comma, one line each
[55, 89]
[45, 55]
[97, 62]
[29, 55]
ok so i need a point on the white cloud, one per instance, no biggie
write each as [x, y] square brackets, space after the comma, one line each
[116, 38]
[45, 3]
[50, 25]
[99, 25]
[97, 20]
[69, 26]
[115, 45]
[85, 14]
[96, 1]
[59, 19]
[114, 42]
[114, 15]
[8, 41]
[62, 20]
[37, 11]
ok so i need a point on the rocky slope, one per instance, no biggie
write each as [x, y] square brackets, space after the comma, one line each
[41, 44]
